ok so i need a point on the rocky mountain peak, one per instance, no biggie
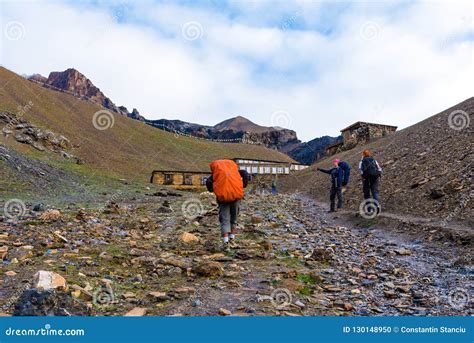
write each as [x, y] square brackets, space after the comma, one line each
[77, 84]
[74, 82]
[38, 78]
[240, 123]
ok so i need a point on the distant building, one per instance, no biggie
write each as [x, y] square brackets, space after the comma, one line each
[268, 167]
[333, 148]
[187, 179]
[192, 179]
[359, 133]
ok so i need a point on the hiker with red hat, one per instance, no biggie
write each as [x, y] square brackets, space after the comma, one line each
[370, 172]
[338, 180]
[228, 183]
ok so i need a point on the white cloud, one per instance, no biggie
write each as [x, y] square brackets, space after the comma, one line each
[395, 63]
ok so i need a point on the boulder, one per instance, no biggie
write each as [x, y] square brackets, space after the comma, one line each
[81, 293]
[50, 215]
[256, 219]
[47, 280]
[34, 302]
[208, 268]
[187, 237]
[159, 296]
[136, 312]
[224, 312]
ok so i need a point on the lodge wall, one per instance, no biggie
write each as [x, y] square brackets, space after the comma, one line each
[172, 178]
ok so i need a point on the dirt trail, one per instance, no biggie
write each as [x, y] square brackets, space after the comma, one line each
[291, 258]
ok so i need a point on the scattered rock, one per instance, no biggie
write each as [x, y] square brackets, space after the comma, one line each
[267, 245]
[38, 207]
[136, 312]
[81, 293]
[34, 302]
[256, 219]
[390, 294]
[112, 208]
[187, 237]
[50, 215]
[224, 312]
[196, 303]
[299, 304]
[47, 280]
[436, 193]
[403, 251]
[61, 238]
[322, 254]
[159, 296]
[208, 268]
[3, 252]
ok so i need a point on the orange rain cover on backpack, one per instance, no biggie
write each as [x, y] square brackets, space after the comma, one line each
[227, 182]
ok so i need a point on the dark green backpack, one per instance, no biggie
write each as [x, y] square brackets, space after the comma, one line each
[369, 167]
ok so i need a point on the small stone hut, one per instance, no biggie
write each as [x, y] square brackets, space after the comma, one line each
[359, 133]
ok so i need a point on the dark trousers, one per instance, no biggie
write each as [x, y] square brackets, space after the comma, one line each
[228, 213]
[370, 186]
[335, 191]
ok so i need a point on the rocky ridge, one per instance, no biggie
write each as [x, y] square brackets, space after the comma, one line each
[26, 133]
[77, 84]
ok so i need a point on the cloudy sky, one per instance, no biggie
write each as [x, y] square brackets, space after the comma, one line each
[312, 66]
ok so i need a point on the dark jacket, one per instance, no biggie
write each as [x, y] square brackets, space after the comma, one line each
[243, 174]
[337, 176]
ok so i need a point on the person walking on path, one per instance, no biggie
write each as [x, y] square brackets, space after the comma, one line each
[227, 182]
[370, 172]
[274, 185]
[337, 178]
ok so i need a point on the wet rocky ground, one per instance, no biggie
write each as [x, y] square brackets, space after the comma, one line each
[159, 253]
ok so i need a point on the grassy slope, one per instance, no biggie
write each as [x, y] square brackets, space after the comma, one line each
[129, 149]
[429, 150]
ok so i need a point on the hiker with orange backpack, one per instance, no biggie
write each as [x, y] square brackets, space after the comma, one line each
[228, 183]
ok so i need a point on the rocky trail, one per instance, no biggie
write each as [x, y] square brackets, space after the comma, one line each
[160, 254]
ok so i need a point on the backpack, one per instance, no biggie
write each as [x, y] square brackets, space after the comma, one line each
[227, 181]
[369, 167]
[347, 172]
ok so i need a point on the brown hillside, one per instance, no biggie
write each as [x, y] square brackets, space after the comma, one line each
[427, 170]
[129, 148]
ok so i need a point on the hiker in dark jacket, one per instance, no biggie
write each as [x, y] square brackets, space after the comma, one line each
[370, 171]
[337, 178]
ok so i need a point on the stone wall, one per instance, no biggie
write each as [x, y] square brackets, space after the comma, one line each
[158, 177]
[364, 133]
